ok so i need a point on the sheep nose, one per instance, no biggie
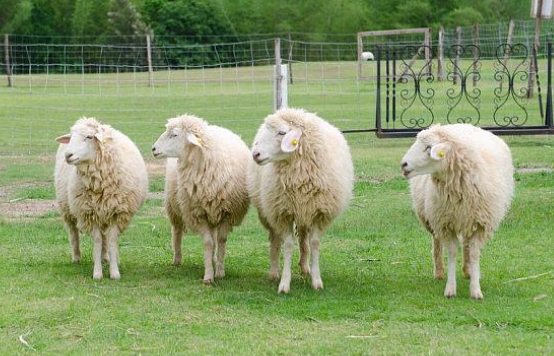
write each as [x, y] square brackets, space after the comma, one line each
[256, 155]
[153, 148]
[68, 155]
[404, 164]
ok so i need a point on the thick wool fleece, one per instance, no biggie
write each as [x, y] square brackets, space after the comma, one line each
[106, 191]
[475, 189]
[211, 178]
[312, 187]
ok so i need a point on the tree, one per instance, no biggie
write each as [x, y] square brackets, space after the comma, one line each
[15, 15]
[126, 23]
[89, 18]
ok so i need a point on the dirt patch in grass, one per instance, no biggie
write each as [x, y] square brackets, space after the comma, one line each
[16, 208]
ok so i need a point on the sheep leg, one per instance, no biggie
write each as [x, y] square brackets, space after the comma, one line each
[113, 252]
[288, 247]
[176, 238]
[450, 290]
[97, 253]
[437, 258]
[466, 269]
[304, 242]
[208, 242]
[475, 272]
[275, 243]
[74, 240]
[221, 242]
[105, 248]
[317, 283]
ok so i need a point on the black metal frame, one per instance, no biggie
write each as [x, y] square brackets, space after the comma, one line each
[398, 102]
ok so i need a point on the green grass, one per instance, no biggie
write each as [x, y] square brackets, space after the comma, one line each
[380, 297]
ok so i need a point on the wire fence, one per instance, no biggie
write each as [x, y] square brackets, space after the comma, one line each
[137, 86]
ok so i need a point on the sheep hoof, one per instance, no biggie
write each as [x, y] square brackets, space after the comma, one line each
[97, 275]
[284, 288]
[219, 274]
[317, 285]
[273, 275]
[76, 259]
[478, 295]
[208, 282]
[305, 270]
[449, 294]
[439, 274]
[115, 275]
[176, 261]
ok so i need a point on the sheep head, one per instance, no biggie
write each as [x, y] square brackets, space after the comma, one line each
[428, 154]
[275, 141]
[86, 141]
[180, 132]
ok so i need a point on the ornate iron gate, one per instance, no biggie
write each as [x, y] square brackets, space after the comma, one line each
[500, 97]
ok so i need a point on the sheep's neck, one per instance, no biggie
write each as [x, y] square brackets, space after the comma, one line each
[98, 175]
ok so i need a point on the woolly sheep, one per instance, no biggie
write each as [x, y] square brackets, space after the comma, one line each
[205, 186]
[101, 181]
[301, 178]
[461, 182]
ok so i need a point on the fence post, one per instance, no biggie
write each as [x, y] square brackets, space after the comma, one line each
[7, 59]
[378, 93]
[475, 52]
[149, 59]
[281, 82]
[548, 116]
[440, 71]
[457, 58]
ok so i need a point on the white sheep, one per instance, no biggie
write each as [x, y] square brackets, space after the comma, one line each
[301, 179]
[101, 181]
[205, 187]
[461, 182]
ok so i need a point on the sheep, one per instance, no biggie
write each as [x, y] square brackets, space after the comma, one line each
[461, 183]
[101, 181]
[300, 179]
[367, 56]
[205, 187]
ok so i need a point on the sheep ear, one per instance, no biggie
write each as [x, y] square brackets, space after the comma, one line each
[195, 140]
[64, 139]
[99, 136]
[438, 151]
[291, 141]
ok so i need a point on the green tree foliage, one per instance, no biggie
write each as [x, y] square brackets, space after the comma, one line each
[210, 20]
[125, 22]
[89, 18]
[15, 15]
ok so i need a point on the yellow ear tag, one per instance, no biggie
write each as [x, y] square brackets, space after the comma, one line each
[199, 141]
[294, 142]
[441, 154]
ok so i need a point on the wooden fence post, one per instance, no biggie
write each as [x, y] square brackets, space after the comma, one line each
[7, 59]
[149, 59]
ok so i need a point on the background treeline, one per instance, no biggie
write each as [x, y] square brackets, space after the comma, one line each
[202, 21]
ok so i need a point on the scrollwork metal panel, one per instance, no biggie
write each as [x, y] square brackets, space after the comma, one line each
[510, 100]
[456, 96]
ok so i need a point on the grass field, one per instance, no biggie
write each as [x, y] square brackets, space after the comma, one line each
[379, 299]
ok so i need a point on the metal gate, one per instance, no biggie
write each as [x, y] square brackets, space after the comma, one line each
[498, 89]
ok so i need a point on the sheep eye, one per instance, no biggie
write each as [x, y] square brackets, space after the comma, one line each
[428, 148]
[281, 133]
[172, 135]
[89, 137]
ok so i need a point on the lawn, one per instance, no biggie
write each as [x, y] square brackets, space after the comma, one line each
[380, 297]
